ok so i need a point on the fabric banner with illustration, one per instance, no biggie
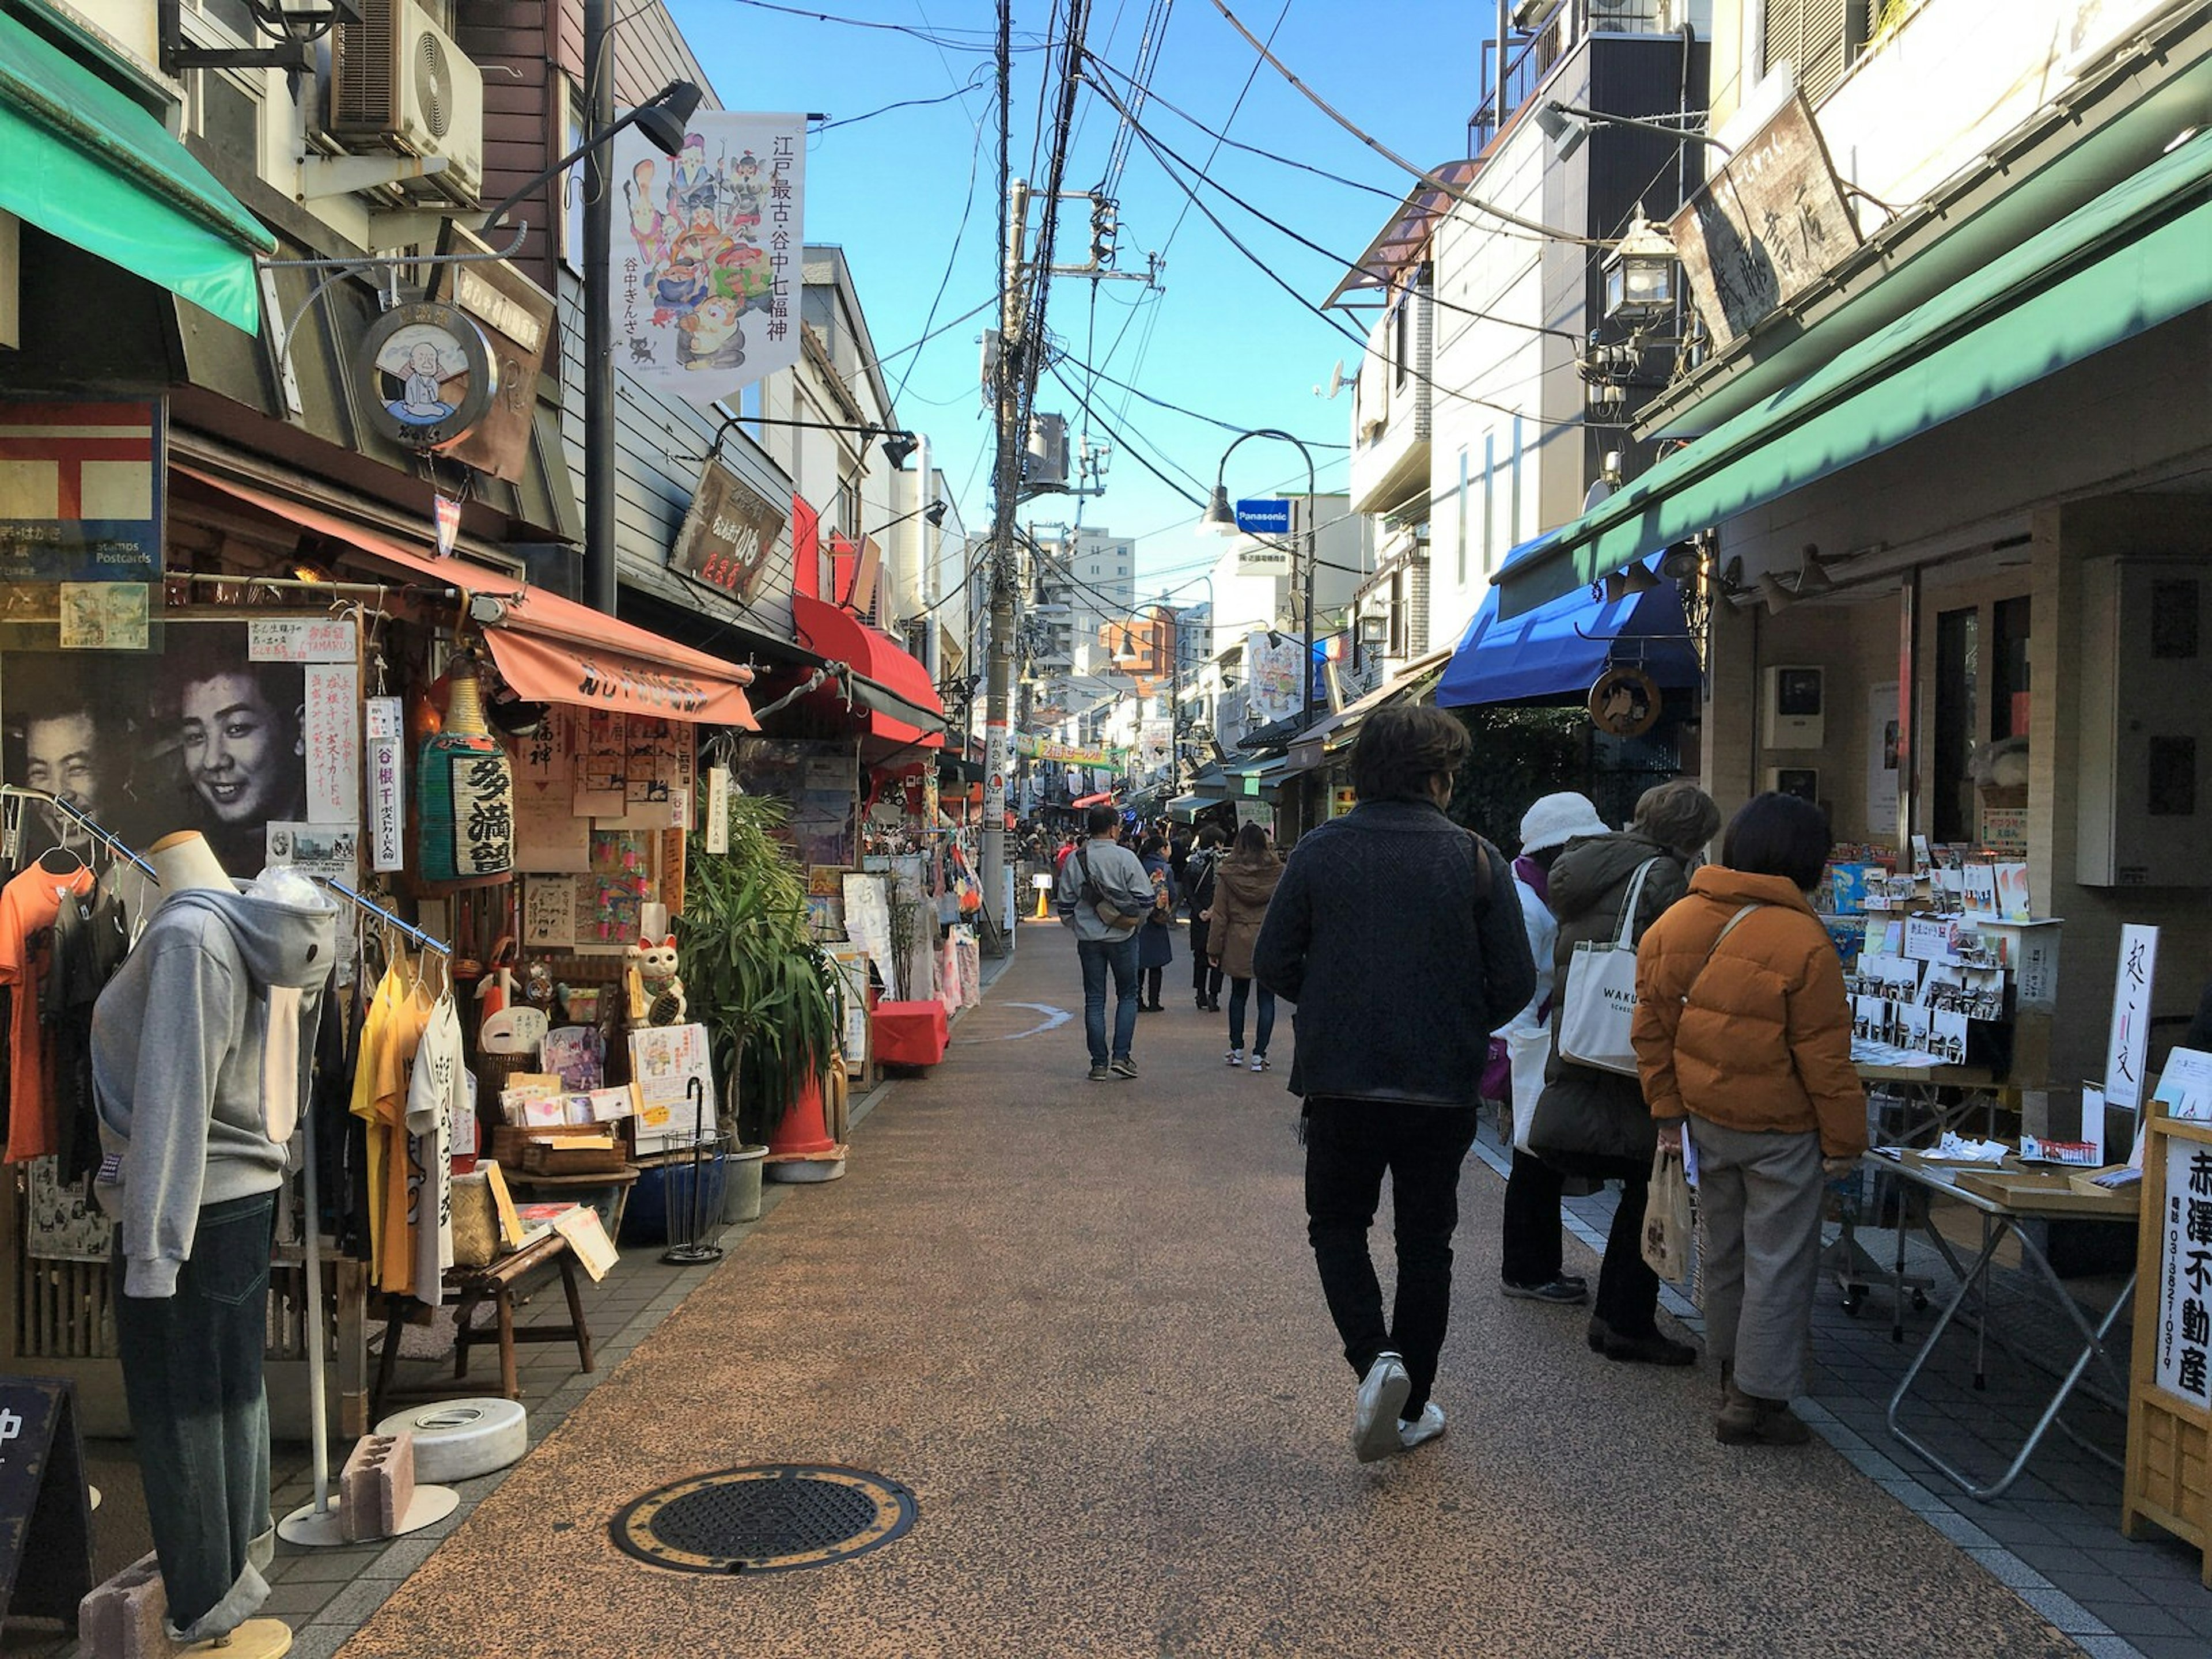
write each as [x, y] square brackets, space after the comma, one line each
[1274, 685]
[707, 253]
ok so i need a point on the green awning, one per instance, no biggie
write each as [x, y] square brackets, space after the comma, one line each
[2138, 256]
[85, 164]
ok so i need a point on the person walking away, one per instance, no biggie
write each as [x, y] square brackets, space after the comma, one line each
[1532, 1263]
[1198, 894]
[1743, 1034]
[1593, 1122]
[1103, 894]
[1243, 884]
[1398, 935]
[1156, 938]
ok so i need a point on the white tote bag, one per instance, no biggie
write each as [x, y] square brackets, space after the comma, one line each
[1527, 1052]
[1599, 1004]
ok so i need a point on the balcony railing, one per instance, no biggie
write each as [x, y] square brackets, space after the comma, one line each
[1530, 56]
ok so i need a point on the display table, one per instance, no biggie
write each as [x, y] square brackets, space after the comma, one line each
[2001, 1220]
[470, 1287]
[1927, 1114]
[909, 1033]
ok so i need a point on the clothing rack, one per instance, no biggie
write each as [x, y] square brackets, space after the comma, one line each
[84, 820]
[385, 916]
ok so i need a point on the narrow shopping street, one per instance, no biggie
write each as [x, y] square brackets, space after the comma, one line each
[1079, 1321]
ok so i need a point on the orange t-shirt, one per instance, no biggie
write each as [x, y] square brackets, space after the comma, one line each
[29, 906]
[395, 1071]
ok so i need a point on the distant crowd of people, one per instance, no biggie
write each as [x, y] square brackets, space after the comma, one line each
[1423, 966]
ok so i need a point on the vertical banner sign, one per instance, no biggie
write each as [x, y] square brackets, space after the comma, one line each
[2184, 1288]
[387, 785]
[1273, 686]
[996, 759]
[718, 809]
[707, 254]
[333, 692]
[2128, 1051]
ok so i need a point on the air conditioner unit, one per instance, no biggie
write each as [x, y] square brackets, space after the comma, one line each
[400, 84]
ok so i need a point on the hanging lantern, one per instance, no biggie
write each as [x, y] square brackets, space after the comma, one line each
[465, 791]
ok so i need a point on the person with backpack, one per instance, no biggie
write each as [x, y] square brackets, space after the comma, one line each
[1155, 938]
[1198, 894]
[1103, 895]
[1398, 934]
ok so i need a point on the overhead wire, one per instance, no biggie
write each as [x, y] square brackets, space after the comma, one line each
[1437, 181]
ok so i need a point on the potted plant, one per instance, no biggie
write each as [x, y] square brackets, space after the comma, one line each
[772, 1003]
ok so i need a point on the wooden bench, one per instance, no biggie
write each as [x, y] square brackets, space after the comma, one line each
[468, 1289]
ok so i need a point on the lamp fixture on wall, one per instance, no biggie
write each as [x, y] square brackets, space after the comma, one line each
[1628, 582]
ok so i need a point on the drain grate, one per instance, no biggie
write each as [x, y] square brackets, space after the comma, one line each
[767, 1517]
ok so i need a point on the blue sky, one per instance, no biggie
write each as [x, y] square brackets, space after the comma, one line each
[1222, 338]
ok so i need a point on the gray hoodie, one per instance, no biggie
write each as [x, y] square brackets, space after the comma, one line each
[181, 1051]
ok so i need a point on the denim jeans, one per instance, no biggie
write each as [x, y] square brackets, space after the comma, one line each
[1239, 989]
[1349, 1145]
[1098, 958]
[191, 1375]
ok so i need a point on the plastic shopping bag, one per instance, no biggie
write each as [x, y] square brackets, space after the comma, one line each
[1668, 1222]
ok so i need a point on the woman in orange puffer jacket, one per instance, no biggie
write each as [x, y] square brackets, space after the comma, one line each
[1743, 1031]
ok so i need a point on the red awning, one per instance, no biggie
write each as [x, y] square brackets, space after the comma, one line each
[1098, 799]
[550, 649]
[886, 679]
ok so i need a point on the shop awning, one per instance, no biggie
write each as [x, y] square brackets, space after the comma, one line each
[1098, 799]
[1314, 746]
[548, 648]
[87, 165]
[886, 679]
[1562, 647]
[2138, 256]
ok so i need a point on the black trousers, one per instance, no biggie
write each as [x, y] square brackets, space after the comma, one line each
[1628, 1290]
[1531, 1253]
[1205, 977]
[1350, 1145]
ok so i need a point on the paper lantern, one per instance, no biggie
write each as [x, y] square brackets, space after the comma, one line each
[464, 789]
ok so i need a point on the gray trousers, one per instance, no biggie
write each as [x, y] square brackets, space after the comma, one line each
[1759, 1204]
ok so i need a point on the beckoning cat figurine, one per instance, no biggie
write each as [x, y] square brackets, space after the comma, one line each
[659, 990]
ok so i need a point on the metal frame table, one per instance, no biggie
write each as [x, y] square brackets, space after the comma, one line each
[1999, 1221]
[1922, 1087]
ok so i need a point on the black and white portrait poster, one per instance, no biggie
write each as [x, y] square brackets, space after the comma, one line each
[213, 734]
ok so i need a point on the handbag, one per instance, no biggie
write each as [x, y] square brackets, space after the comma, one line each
[1598, 1005]
[1669, 1225]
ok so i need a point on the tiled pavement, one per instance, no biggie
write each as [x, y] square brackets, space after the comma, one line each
[2053, 1537]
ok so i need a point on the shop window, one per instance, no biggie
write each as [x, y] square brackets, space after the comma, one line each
[1462, 517]
[1951, 796]
[2008, 683]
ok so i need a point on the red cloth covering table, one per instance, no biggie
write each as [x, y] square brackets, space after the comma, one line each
[910, 1033]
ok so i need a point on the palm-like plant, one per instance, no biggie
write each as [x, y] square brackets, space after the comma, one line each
[773, 1003]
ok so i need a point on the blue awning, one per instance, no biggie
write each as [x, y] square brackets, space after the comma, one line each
[1562, 647]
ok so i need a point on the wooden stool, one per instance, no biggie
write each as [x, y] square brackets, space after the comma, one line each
[469, 1288]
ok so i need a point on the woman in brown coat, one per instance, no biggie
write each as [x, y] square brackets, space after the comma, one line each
[1743, 1033]
[1241, 887]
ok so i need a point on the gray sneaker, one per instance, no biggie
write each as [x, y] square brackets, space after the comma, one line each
[1100, 1074]
[1124, 1067]
[1381, 1397]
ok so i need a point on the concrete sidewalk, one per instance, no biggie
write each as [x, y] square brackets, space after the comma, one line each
[1079, 1320]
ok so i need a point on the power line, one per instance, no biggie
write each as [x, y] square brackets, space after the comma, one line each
[934, 37]
[1389, 154]
[903, 103]
[1153, 141]
[1162, 403]
[967, 207]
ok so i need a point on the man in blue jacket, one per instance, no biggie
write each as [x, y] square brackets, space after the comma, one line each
[1103, 893]
[1398, 935]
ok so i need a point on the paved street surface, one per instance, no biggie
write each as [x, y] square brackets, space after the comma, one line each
[1080, 1321]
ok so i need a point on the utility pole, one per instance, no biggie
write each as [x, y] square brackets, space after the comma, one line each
[601, 562]
[1006, 486]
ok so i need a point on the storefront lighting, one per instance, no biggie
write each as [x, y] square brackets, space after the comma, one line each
[1640, 275]
[1626, 584]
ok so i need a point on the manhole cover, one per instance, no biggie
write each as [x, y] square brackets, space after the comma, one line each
[764, 1518]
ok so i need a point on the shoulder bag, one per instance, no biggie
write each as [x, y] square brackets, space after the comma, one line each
[1597, 1005]
[1115, 919]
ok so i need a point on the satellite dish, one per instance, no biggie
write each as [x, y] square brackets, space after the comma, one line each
[1335, 381]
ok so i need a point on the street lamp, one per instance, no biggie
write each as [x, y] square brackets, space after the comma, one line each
[1639, 274]
[1567, 125]
[898, 443]
[1218, 513]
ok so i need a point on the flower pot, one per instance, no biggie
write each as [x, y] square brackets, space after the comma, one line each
[741, 1186]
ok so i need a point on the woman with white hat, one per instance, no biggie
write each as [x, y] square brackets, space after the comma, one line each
[1532, 1259]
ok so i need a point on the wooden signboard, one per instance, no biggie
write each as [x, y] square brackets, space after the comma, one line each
[2168, 1478]
[1771, 221]
[45, 1512]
